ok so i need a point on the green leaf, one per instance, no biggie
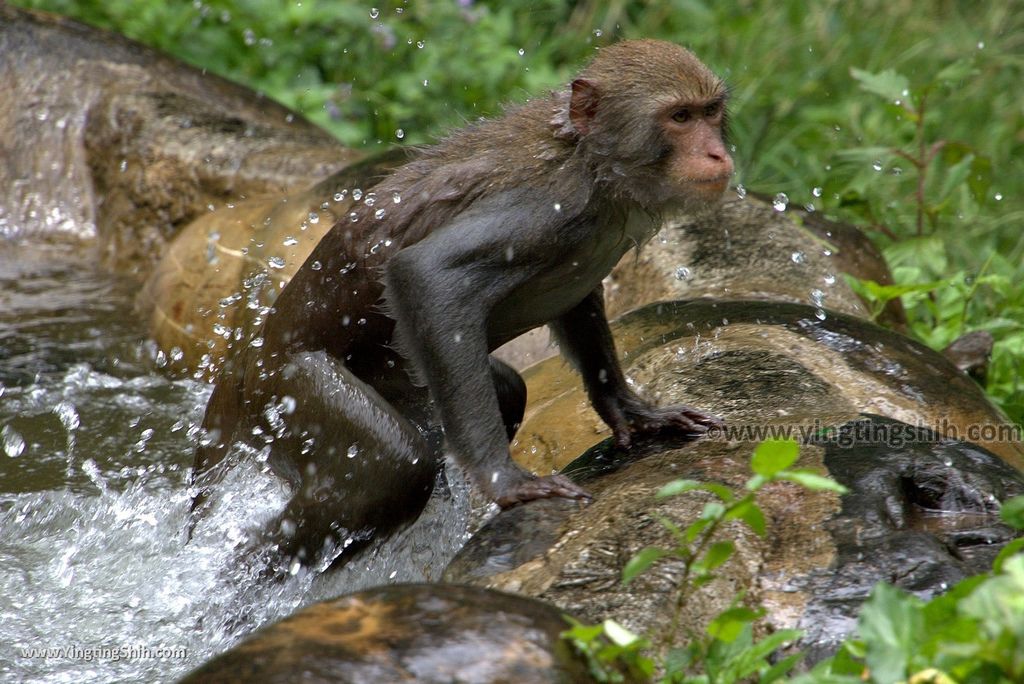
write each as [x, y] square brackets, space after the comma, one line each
[695, 528]
[773, 455]
[712, 511]
[888, 84]
[1008, 551]
[780, 669]
[754, 657]
[680, 486]
[812, 481]
[618, 634]
[980, 179]
[717, 553]
[956, 72]
[1012, 512]
[890, 623]
[749, 512]
[677, 487]
[581, 632]
[729, 624]
[641, 562]
[955, 176]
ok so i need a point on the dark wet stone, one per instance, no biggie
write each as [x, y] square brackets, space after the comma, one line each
[971, 353]
[407, 633]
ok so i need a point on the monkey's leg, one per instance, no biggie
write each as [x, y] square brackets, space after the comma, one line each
[586, 340]
[358, 467]
[511, 391]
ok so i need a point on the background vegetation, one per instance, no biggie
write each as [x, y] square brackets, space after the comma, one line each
[904, 116]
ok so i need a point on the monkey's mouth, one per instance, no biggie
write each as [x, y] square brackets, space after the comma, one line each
[716, 180]
[714, 184]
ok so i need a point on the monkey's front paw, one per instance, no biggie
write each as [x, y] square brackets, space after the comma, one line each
[678, 420]
[546, 487]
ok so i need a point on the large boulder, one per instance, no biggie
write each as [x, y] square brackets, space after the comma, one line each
[106, 140]
[926, 457]
[209, 293]
[430, 633]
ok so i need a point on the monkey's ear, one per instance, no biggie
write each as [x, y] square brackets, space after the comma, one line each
[583, 105]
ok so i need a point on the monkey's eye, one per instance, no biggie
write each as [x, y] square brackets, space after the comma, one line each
[712, 110]
[682, 115]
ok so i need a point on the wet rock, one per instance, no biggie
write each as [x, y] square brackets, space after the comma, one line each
[921, 513]
[971, 353]
[112, 142]
[208, 294]
[407, 633]
[757, 364]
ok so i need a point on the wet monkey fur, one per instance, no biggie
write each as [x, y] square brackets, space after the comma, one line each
[384, 334]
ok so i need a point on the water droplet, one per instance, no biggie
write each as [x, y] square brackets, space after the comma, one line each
[379, 214]
[289, 241]
[353, 451]
[981, 45]
[314, 217]
[780, 202]
[421, 44]
[558, 207]
[12, 442]
[374, 12]
[798, 257]
[316, 265]
[67, 415]
[256, 342]
[598, 33]
[357, 194]
[522, 52]
[816, 191]
[276, 262]
[830, 279]
[998, 197]
[682, 273]
[399, 134]
[340, 195]
[817, 297]
[819, 314]
[396, 198]
[457, 337]
[741, 191]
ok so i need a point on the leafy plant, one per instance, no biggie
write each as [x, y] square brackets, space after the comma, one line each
[973, 633]
[726, 652]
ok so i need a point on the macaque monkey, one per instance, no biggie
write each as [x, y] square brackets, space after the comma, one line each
[384, 334]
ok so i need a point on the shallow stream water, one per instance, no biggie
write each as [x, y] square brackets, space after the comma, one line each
[97, 580]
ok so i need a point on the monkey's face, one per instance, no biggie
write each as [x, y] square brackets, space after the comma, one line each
[698, 165]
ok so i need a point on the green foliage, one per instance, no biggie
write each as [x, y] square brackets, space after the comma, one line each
[727, 651]
[972, 634]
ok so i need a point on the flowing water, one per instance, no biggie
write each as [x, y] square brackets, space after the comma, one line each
[97, 581]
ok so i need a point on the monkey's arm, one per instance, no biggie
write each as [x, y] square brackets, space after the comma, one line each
[441, 291]
[586, 341]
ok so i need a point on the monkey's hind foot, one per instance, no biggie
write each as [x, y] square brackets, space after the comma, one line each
[547, 487]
